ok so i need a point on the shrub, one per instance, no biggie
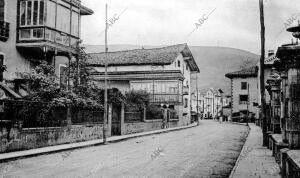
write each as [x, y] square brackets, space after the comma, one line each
[154, 112]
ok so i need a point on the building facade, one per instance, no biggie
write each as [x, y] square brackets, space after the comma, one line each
[199, 104]
[36, 30]
[244, 91]
[212, 103]
[165, 73]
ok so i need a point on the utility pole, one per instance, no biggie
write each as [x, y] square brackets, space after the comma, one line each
[262, 77]
[105, 81]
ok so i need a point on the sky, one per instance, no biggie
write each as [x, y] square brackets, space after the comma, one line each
[231, 23]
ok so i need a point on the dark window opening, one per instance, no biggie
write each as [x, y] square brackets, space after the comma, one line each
[244, 99]
[1, 67]
[185, 102]
[2, 4]
[63, 76]
[178, 63]
[244, 85]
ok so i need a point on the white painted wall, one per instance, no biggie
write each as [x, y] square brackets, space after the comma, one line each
[253, 94]
[12, 59]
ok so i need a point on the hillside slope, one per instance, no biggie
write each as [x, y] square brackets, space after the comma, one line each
[214, 62]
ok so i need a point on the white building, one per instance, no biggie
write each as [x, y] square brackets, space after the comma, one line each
[212, 103]
[165, 73]
[244, 91]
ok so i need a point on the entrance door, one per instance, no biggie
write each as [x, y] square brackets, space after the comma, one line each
[116, 120]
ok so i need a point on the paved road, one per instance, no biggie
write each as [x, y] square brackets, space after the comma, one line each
[209, 150]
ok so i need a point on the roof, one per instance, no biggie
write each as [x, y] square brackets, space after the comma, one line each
[86, 11]
[247, 72]
[155, 56]
[270, 60]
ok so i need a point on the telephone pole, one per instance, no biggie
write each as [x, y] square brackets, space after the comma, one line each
[105, 82]
[262, 77]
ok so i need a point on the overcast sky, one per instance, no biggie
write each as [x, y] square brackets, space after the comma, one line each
[234, 23]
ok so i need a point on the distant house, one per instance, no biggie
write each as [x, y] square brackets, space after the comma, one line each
[212, 103]
[164, 72]
[200, 103]
[244, 91]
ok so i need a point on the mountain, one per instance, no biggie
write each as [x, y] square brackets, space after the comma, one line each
[214, 63]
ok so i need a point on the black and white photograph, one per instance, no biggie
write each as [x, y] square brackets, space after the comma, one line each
[149, 89]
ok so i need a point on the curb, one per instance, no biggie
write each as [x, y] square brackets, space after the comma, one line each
[239, 123]
[239, 157]
[5, 157]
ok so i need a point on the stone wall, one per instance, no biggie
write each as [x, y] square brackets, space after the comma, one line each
[137, 127]
[40, 137]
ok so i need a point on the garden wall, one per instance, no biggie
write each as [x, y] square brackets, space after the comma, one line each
[41, 137]
[137, 127]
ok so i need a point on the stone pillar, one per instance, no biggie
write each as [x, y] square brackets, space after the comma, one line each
[109, 122]
[293, 121]
[69, 116]
[122, 119]
[275, 106]
[283, 107]
[145, 114]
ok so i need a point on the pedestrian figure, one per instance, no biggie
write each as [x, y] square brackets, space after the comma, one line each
[168, 118]
[165, 118]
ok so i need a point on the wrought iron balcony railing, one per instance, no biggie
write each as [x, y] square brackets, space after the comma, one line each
[4, 31]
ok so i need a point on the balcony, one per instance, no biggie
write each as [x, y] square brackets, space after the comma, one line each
[50, 38]
[4, 31]
[166, 98]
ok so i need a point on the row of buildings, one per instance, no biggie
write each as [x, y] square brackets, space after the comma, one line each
[32, 31]
[211, 104]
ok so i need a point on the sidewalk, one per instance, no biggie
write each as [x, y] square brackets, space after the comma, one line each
[64, 147]
[255, 160]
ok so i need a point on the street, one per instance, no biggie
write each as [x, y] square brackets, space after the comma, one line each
[209, 150]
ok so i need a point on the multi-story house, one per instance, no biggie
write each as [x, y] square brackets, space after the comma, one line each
[197, 102]
[35, 30]
[200, 103]
[244, 91]
[165, 73]
[212, 103]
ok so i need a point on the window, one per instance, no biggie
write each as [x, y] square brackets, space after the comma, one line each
[243, 99]
[186, 102]
[178, 63]
[2, 12]
[35, 12]
[244, 85]
[41, 15]
[32, 12]
[63, 76]
[1, 66]
[29, 5]
[24, 34]
[22, 13]
[51, 7]
[63, 20]
[75, 22]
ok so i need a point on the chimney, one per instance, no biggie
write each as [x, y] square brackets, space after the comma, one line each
[270, 53]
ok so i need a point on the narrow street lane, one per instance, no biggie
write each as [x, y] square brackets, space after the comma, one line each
[209, 150]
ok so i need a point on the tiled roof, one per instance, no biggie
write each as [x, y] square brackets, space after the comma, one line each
[247, 72]
[158, 56]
